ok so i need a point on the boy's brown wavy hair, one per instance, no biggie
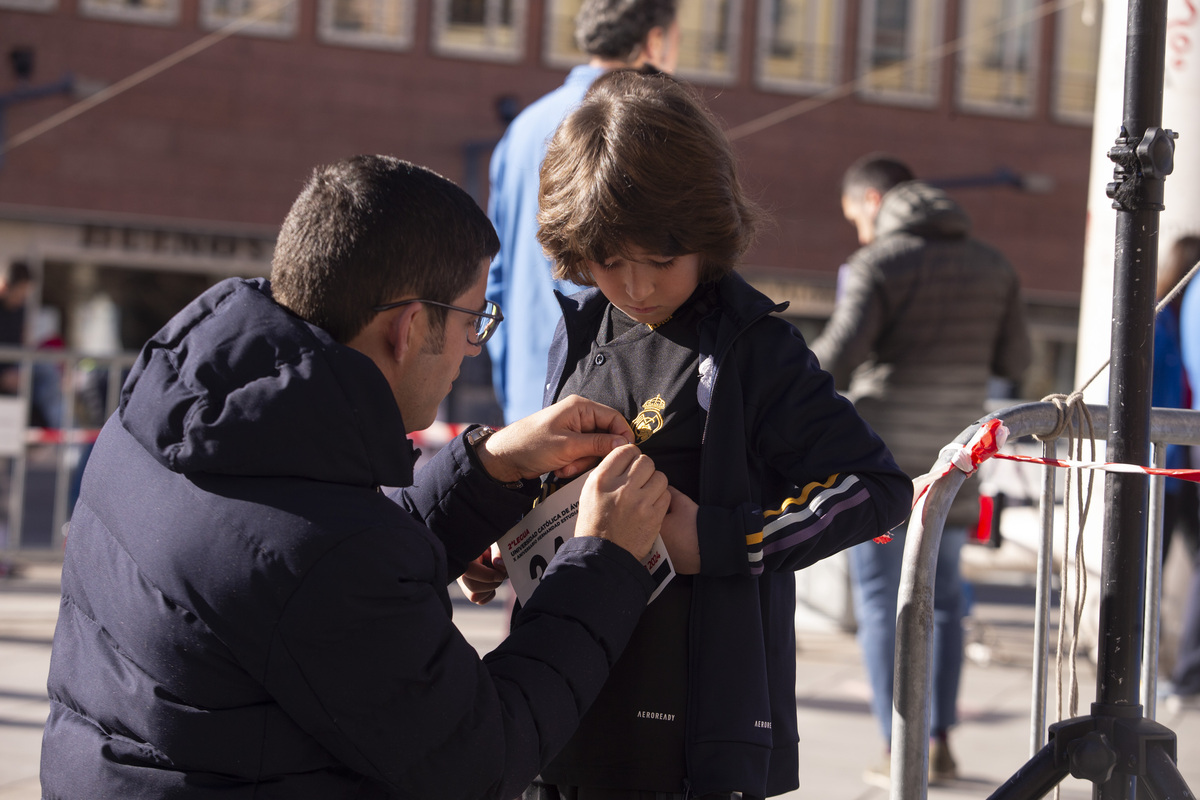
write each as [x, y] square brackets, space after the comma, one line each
[642, 163]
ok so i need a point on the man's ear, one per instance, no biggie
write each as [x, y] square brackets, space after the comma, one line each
[872, 200]
[406, 332]
[654, 46]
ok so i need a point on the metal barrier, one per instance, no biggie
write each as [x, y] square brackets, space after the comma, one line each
[74, 393]
[914, 616]
[87, 390]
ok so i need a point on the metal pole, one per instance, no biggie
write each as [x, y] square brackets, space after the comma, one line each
[1042, 592]
[1143, 156]
[1154, 567]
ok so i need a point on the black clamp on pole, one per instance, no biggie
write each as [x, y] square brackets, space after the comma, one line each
[1141, 169]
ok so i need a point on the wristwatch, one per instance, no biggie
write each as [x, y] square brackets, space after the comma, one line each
[477, 435]
[472, 439]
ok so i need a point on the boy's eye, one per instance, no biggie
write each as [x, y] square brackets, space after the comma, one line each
[658, 262]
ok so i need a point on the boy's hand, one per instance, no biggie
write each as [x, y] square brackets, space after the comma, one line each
[680, 533]
[483, 576]
[568, 438]
[624, 500]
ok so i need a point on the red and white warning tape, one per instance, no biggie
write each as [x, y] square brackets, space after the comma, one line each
[988, 440]
[1192, 475]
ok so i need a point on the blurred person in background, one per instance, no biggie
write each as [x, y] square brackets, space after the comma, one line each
[1184, 686]
[16, 283]
[1172, 389]
[925, 315]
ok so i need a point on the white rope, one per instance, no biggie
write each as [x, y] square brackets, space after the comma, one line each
[1073, 414]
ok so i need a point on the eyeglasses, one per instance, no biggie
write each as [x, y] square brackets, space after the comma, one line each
[486, 321]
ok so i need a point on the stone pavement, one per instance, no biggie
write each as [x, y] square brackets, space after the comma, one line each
[838, 735]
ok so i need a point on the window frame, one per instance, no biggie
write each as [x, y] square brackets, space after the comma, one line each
[733, 34]
[41, 6]
[1031, 73]
[1057, 113]
[764, 41]
[125, 12]
[863, 67]
[505, 54]
[284, 29]
[329, 34]
[552, 32]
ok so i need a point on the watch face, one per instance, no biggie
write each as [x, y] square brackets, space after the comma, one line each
[477, 435]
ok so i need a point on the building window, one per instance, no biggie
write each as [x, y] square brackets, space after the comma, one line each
[262, 17]
[799, 44]
[707, 41]
[162, 12]
[491, 29]
[897, 49]
[1077, 59]
[385, 24]
[30, 5]
[560, 47]
[997, 67]
[709, 31]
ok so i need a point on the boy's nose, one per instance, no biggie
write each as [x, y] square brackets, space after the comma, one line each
[638, 286]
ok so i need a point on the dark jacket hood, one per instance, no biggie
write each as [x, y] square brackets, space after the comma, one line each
[922, 210]
[237, 385]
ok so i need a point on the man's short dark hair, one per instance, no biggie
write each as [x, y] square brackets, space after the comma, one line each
[370, 229]
[16, 273]
[874, 171]
[615, 29]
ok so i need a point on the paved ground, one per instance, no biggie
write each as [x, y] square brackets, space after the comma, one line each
[838, 736]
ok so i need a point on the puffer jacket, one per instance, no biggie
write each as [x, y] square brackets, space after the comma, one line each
[245, 613]
[926, 314]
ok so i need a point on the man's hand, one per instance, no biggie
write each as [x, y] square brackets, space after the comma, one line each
[624, 500]
[568, 438]
[679, 533]
[483, 576]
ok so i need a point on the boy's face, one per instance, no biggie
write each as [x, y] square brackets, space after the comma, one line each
[647, 287]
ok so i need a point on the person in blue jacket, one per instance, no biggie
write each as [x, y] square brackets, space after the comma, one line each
[613, 33]
[248, 610]
[1170, 388]
[770, 469]
[1184, 686]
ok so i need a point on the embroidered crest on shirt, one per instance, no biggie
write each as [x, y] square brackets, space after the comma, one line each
[650, 421]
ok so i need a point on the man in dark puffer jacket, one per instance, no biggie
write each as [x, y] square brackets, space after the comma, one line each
[248, 612]
[926, 313]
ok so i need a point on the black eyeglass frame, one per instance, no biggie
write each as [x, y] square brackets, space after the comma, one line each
[494, 319]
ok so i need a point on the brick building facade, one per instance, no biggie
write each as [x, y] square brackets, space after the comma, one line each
[193, 141]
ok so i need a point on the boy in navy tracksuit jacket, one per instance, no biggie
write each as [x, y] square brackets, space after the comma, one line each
[640, 199]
